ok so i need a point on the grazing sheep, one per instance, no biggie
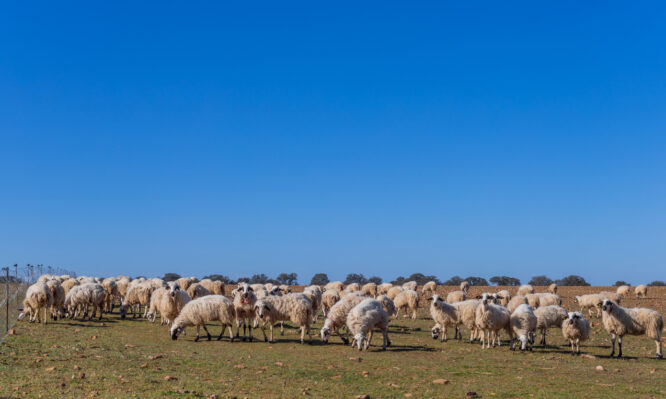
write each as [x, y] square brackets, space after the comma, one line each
[589, 302]
[155, 299]
[491, 318]
[387, 304]
[525, 289]
[296, 308]
[185, 282]
[641, 291]
[123, 286]
[337, 317]
[370, 289]
[619, 321]
[547, 317]
[464, 287]
[314, 294]
[576, 329]
[68, 284]
[429, 288]
[328, 299]
[394, 291]
[410, 285]
[407, 300]
[504, 297]
[383, 289]
[244, 300]
[523, 327]
[136, 296]
[547, 299]
[334, 285]
[214, 287]
[623, 290]
[444, 315]
[196, 290]
[111, 289]
[353, 287]
[81, 296]
[456, 296]
[363, 319]
[38, 296]
[58, 295]
[515, 302]
[467, 317]
[206, 309]
[611, 296]
[552, 288]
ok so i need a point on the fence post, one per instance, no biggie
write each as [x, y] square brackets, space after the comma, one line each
[6, 269]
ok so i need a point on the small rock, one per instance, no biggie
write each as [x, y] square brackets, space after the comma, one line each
[213, 396]
[94, 337]
[471, 394]
[76, 367]
[440, 381]
[279, 364]
[408, 395]
[82, 375]
[170, 378]
[144, 365]
[356, 359]
[365, 396]
[77, 330]
[585, 355]
[50, 368]
[12, 332]
[239, 366]
[155, 357]
[62, 384]
[600, 368]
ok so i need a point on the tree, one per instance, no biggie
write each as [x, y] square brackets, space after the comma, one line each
[244, 280]
[220, 277]
[355, 278]
[657, 283]
[572, 280]
[287, 278]
[504, 280]
[399, 281]
[476, 281]
[171, 277]
[375, 279]
[541, 280]
[620, 283]
[259, 279]
[319, 279]
[455, 280]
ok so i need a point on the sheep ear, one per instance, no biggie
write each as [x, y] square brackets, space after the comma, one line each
[478, 297]
[267, 307]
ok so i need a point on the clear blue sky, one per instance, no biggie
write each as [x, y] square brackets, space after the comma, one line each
[466, 138]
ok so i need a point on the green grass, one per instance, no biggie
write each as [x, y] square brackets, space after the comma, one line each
[47, 360]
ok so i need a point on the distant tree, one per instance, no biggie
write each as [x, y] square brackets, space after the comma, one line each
[319, 279]
[504, 280]
[244, 280]
[477, 281]
[220, 277]
[620, 283]
[455, 280]
[572, 280]
[421, 279]
[355, 278]
[259, 279]
[657, 283]
[375, 279]
[287, 278]
[541, 280]
[399, 281]
[171, 277]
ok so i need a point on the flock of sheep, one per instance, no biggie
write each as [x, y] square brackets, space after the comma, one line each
[350, 311]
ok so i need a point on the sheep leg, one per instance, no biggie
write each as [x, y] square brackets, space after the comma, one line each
[343, 338]
[206, 330]
[45, 315]
[281, 328]
[414, 314]
[309, 333]
[385, 334]
[370, 335]
[237, 328]
[302, 335]
[272, 337]
[613, 342]
[249, 327]
[658, 342]
[619, 344]
[196, 339]
[231, 332]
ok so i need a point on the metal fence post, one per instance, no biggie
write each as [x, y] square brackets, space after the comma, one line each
[6, 269]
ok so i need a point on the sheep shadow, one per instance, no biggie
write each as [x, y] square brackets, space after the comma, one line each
[407, 348]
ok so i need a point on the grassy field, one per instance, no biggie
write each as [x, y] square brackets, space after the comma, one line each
[134, 358]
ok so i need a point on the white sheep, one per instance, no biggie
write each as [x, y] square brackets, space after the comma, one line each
[334, 285]
[382, 289]
[111, 289]
[576, 329]
[58, 295]
[363, 319]
[197, 290]
[291, 307]
[394, 291]
[464, 287]
[68, 284]
[206, 309]
[444, 315]
[533, 300]
[185, 282]
[38, 296]
[328, 299]
[429, 288]
[387, 304]
[214, 287]
[257, 287]
[515, 302]
[337, 317]
[612, 296]
[491, 318]
[136, 296]
[410, 285]
[81, 296]
[589, 302]
[552, 288]
[547, 317]
[525, 289]
[369, 289]
[548, 299]
[156, 283]
[456, 296]
[244, 300]
[269, 287]
[314, 294]
[467, 317]
[619, 321]
[353, 287]
[504, 297]
[641, 291]
[523, 327]
[407, 300]
[285, 289]
[623, 290]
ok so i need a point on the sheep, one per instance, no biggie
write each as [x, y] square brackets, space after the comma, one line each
[523, 327]
[547, 317]
[244, 300]
[214, 287]
[365, 317]
[196, 290]
[286, 289]
[157, 283]
[613, 296]
[38, 296]
[467, 317]
[407, 300]
[206, 309]
[387, 304]
[576, 329]
[552, 288]
[296, 308]
[504, 297]
[410, 285]
[623, 290]
[394, 291]
[641, 291]
[269, 287]
[547, 299]
[429, 288]
[334, 285]
[353, 287]
[619, 321]
[80, 296]
[136, 296]
[58, 295]
[155, 299]
[170, 304]
[370, 289]
[515, 302]
[456, 296]
[257, 287]
[491, 318]
[328, 299]
[68, 284]
[589, 302]
[525, 289]
[382, 289]
[123, 286]
[444, 315]
[464, 287]
[337, 316]
[111, 289]
[185, 282]
[313, 292]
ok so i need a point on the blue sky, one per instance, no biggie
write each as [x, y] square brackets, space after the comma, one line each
[466, 138]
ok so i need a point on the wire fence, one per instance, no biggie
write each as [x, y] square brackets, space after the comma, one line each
[14, 282]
